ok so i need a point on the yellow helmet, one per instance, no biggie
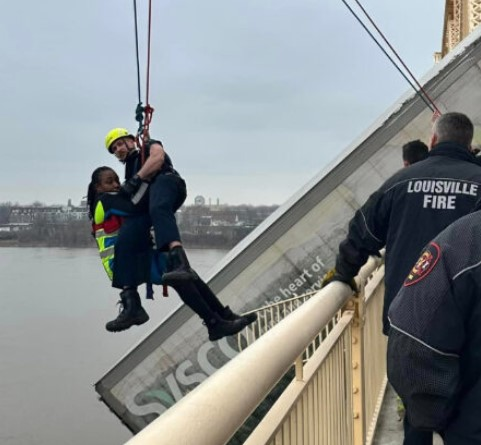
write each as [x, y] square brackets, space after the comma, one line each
[115, 134]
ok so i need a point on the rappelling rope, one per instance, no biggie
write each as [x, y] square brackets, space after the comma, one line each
[143, 114]
[137, 53]
[436, 109]
[416, 85]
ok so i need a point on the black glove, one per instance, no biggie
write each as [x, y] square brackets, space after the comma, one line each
[129, 187]
[333, 275]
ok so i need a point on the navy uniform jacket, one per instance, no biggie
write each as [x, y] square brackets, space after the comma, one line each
[133, 165]
[434, 347]
[409, 210]
[133, 161]
[165, 194]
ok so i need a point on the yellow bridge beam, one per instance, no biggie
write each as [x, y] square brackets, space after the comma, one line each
[460, 18]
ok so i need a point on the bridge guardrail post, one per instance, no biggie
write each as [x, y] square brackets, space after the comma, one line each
[299, 367]
[356, 303]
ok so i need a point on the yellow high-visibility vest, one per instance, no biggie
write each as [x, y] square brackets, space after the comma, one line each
[106, 232]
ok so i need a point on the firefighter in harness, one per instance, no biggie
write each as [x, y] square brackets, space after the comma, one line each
[110, 210]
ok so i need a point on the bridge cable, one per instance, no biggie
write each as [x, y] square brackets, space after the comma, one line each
[421, 88]
[421, 92]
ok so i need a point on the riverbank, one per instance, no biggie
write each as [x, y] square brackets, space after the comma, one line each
[191, 244]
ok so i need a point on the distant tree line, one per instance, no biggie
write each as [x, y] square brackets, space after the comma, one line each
[5, 212]
[47, 234]
[201, 226]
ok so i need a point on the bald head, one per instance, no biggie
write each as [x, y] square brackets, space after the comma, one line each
[453, 127]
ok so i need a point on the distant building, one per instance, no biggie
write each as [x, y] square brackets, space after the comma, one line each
[219, 225]
[199, 200]
[21, 214]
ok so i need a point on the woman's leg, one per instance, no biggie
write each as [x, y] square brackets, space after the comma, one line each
[133, 248]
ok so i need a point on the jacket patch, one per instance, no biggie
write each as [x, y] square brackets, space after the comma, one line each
[424, 265]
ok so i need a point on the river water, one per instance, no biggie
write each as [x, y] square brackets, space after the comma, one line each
[54, 304]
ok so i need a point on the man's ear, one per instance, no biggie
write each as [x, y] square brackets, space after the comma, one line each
[433, 141]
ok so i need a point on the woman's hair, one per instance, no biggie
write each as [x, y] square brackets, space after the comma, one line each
[91, 191]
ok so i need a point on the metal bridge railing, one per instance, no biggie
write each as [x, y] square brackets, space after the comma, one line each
[374, 361]
[269, 316]
[317, 407]
[334, 398]
[346, 373]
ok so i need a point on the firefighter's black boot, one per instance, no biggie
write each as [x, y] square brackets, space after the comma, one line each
[131, 312]
[227, 314]
[216, 306]
[216, 325]
[219, 328]
[178, 267]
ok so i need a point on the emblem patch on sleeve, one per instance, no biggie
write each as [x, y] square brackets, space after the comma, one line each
[424, 264]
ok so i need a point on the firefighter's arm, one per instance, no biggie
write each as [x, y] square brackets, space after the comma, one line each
[153, 163]
[366, 236]
[425, 343]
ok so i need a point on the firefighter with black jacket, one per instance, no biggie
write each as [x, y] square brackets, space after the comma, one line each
[410, 209]
[434, 347]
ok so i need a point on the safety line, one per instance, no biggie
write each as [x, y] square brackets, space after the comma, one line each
[137, 51]
[396, 54]
[147, 84]
[143, 114]
[431, 106]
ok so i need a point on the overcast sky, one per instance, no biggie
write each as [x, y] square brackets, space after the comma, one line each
[252, 98]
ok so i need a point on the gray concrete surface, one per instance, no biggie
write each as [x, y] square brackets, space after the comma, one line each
[390, 428]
